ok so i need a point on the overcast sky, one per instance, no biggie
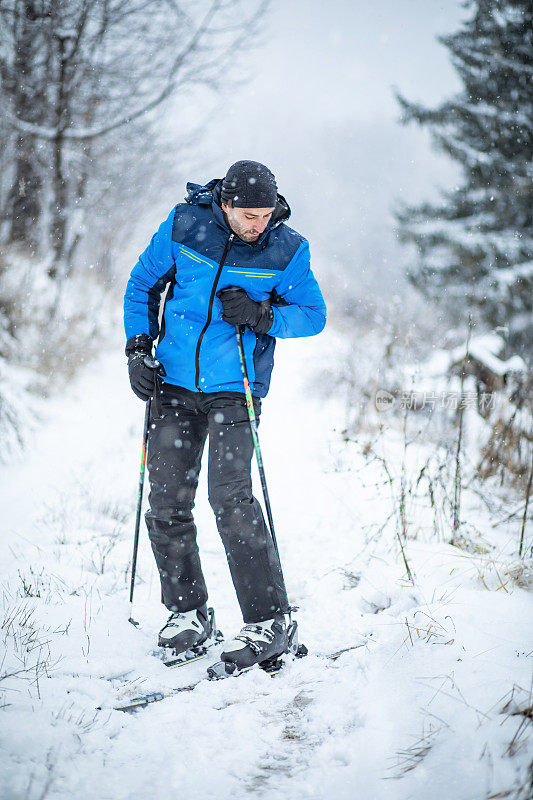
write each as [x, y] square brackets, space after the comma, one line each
[336, 61]
[319, 110]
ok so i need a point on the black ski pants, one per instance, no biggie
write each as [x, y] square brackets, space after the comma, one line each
[175, 445]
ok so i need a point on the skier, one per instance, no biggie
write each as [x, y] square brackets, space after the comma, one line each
[226, 258]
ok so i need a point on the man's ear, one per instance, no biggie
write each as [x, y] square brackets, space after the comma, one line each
[225, 206]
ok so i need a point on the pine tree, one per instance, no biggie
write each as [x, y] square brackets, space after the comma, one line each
[475, 246]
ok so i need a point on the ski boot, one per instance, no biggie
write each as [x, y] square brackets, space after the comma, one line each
[187, 635]
[260, 643]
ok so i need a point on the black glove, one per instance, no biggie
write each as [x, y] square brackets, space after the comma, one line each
[142, 367]
[239, 309]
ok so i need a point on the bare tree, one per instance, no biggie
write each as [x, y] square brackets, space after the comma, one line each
[23, 198]
[74, 72]
[84, 87]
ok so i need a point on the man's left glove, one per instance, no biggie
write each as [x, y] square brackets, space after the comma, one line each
[239, 309]
[142, 367]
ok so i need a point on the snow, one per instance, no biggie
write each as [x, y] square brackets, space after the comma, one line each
[518, 271]
[467, 233]
[515, 116]
[486, 348]
[424, 706]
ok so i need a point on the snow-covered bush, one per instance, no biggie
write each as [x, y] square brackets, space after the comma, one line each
[44, 338]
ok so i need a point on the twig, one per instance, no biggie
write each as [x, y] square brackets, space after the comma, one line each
[528, 491]
[457, 481]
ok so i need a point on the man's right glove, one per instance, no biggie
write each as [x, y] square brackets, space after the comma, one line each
[142, 367]
[240, 309]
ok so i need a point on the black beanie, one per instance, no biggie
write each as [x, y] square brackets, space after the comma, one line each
[250, 184]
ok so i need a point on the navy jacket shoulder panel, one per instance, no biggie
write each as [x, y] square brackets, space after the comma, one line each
[193, 226]
[282, 245]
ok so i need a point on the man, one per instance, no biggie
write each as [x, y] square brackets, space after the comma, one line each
[228, 259]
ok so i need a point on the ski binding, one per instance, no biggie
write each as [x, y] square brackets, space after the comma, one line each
[172, 659]
[228, 669]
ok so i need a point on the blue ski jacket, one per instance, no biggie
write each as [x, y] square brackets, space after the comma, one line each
[196, 254]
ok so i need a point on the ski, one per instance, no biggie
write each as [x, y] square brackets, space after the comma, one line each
[145, 699]
[215, 673]
[154, 697]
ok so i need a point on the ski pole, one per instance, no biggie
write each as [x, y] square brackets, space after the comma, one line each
[159, 370]
[257, 448]
[139, 504]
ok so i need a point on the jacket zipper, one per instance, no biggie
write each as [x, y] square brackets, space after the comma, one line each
[210, 311]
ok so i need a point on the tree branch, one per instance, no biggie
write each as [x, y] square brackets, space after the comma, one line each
[91, 133]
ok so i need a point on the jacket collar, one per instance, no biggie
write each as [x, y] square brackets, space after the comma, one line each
[210, 195]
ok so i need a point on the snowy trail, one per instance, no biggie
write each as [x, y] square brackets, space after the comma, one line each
[419, 708]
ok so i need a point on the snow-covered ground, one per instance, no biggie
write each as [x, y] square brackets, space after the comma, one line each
[424, 708]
